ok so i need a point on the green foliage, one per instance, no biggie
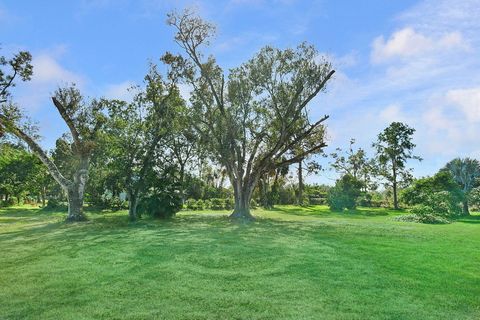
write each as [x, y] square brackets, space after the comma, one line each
[345, 193]
[55, 204]
[425, 215]
[7, 203]
[394, 148]
[191, 204]
[218, 204]
[162, 205]
[440, 193]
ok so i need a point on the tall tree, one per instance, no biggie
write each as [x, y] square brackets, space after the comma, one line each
[83, 120]
[354, 162]
[394, 148]
[252, 119]
[466, 173]
[137, 134]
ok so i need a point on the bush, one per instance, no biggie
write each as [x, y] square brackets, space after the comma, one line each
[161, 205]
[7, 203]
[253, 204]
[55, 204]
[218, 203]
[317, 201]
[200, 204]
[229, 203]
[191, 204]
[365, 200]
[207, 204]
[344, 194]
[423, 218]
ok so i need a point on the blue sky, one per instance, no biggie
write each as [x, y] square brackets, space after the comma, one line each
[411, 61]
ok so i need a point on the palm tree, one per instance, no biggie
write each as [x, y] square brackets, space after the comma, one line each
[465, 172]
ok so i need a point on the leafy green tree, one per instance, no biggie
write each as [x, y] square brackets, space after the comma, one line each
[251, 119]
[394, 148]
[84, 121]
[345, 193]
[466, 173]
[10, 69]
[441, 193]
[356, 163]
[137, 135]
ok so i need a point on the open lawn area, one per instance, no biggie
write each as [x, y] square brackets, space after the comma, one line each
[291, 263]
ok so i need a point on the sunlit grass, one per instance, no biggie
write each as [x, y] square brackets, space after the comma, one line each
[291, 263]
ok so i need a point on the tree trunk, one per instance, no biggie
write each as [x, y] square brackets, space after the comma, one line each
[466, 211]
[76, 192]
[300, 184]
[395, 199]
[132, 206]
[75, 205]
[44, 196]
[243, 196]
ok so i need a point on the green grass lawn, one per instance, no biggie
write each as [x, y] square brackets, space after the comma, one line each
[291, 263]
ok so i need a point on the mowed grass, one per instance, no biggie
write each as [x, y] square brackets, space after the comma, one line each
[291, 263]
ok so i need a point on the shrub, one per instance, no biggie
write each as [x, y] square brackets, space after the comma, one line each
[316, 201]
[253, 204]
[229, 203]
[207, 204]
[365, 200]
[191, 204]
[344, 194]
[55, 204]
[7, 203]
[160, 205]
[422, 218]
[218, 203]
[200, 204]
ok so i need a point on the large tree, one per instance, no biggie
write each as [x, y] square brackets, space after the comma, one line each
[251, 119]
[138, 134]
[466, 173]
[394, 148]
[354, 161]
[83, 121]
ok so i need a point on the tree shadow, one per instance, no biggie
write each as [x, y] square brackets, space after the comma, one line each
[473, 219]
[325, 212]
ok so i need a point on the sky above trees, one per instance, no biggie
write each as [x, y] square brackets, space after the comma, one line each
[410, 61]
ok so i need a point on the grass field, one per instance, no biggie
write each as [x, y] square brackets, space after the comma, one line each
[292, 263]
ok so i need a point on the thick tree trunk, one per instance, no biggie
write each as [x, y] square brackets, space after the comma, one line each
[466, 211]
[243, 195]
[76, 192]
[132, 206]
[75, 205]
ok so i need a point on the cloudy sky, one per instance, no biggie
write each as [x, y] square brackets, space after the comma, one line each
[411, 61]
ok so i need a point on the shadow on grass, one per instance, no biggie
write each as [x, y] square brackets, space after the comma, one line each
[473, 219]
[325, 212]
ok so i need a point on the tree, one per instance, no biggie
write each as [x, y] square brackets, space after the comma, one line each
[252, 119]
[465, 172]
[394, 148]
[355, 163]
[83, 120]
[10, 69]
[345, 193]
[136, 135]
[440, 193]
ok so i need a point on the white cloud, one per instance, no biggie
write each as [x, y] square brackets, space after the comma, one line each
[468, 101]
[407, 43]
[121, 91]
[48, 75]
